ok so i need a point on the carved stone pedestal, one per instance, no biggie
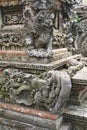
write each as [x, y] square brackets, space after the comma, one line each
[21, 56]
[57, 54]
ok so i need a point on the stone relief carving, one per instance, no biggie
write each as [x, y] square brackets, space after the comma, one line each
[81, 23]
[39, 32]
[74, 66]
[49, 91]
[13, 19]
[11, 39]
[12, 15]
[76, 30]
[40, 4]
[58, 39]
[11, 23]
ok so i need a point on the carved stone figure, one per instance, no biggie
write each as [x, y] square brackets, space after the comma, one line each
[76, 29]
[74, 66]
[58, 38]
[38, 32]
[49, 91]
[41, 4]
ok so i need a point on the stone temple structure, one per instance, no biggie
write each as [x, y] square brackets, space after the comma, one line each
[43, 73]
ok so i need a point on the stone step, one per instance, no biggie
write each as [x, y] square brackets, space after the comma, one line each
[76, 114]
[37, 67]
[15, 114]
[80, 77]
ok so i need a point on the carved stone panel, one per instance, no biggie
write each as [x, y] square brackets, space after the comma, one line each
[12, 15]
[49, 91]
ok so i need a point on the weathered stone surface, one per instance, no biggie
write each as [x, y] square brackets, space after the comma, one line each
[58, 38]
[77, 115]
[38, 67]
[48, 91]
[8, 2]
[38, 30]
[21, 56]
[80, 77]
[7, 124]
[29, 111]
[27, 120]
[11, 38]
[79, 87]
[66, 126]
[74, 66]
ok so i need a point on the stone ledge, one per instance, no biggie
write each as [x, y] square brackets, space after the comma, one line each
[25, 110]
[21, 56]
[18, 115]
[38, 66]
[76, 114]
[80, 77]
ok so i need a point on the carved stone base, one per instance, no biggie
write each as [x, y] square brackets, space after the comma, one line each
[18, 118]
[21, 56]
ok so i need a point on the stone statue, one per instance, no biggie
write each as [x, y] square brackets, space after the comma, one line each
[38, 32]
[49, 91]
[73, 66]
[76, 29]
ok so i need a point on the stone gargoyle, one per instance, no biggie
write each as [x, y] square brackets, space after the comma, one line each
[38, 28]
[49, 91]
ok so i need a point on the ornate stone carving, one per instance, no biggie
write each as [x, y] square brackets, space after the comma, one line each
[58, 39]
[8, 39]
[38, 32]
[13, 19]
[12, 15]
[9, 2]
[74, 66]
[41, 4]
[49, 91]
[77, 29]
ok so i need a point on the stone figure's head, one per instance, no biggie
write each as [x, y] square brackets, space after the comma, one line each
[45, 19]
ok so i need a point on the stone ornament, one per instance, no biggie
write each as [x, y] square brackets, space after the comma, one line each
[49, 91]
[38, 30]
